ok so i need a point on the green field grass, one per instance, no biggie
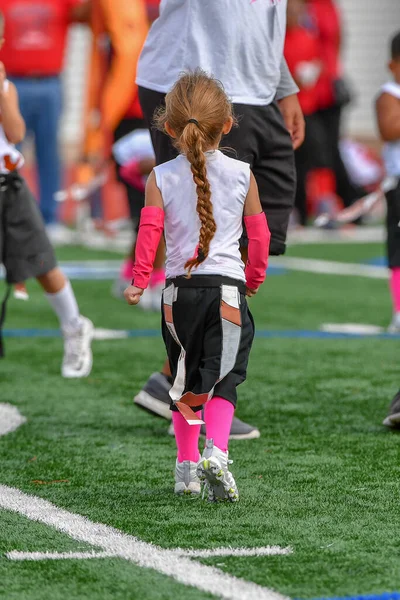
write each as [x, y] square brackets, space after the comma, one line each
[323, 478]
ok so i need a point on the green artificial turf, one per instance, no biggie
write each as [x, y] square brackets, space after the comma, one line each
[323, 478]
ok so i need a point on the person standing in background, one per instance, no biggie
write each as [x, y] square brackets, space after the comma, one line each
[302, 53]
[113, 111]
[35, 41]
[332, 91]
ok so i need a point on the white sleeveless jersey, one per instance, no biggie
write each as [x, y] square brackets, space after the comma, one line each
[229, 181]
[10, 157]
[240, 42]
[391, 150]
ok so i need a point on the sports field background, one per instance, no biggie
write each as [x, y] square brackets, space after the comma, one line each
[323, 478]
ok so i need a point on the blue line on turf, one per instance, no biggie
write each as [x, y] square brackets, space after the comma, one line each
[383, 596]
[110, 271]
[279, 333]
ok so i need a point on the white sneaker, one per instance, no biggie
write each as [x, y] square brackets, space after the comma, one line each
[60, 235]
[78, 359]
[20, 292]
[213, 471]
[394, 326]
[186, 480]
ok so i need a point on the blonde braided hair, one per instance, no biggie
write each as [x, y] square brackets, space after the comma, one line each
[196, 110]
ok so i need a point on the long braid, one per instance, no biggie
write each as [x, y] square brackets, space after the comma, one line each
[192, 138]
[195, 114]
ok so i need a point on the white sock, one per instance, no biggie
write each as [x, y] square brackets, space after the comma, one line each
[66, 307]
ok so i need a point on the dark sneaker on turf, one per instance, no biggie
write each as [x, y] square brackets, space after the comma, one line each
[239, 430]
[154, 396]
[393, 418]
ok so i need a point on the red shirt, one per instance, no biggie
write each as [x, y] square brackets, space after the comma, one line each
[35, 36]
[326, 20]
[303, 59]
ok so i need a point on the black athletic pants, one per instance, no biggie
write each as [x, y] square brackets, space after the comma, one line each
[261, 140]
[392, 225]
[209, 337]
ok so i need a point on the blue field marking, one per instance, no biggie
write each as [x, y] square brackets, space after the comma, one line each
[383, 596]
[272, 333]
[378, 261]
[108, 270]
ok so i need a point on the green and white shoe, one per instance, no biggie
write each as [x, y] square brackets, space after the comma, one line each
[213, 472]
[186, 480]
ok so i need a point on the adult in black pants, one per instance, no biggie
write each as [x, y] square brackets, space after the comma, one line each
[241, 44]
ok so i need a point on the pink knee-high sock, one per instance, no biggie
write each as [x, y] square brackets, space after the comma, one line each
[395, 288]
[218, 415]
[187, 438]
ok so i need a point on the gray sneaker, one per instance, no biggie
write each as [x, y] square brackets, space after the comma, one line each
[394, 326]
[239, 430]
[213, 472]
[154, 396]
[186, 479]
[393, 418]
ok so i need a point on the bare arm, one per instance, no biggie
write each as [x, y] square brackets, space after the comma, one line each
[153, 194]
[388, 116]
[127, 25]
[11, 119]
[252, 205]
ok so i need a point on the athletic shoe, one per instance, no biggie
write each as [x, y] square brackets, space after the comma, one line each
[155, 397]
[394, 326]
[186, 480]
[60, 235]
[393, 418]
[213, 472]
[78, 359]
[239, 430]
[20, 292]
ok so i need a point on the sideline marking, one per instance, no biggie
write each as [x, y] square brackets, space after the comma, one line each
[10, 418]
[143, 554]
[352, 328]
[330, 267]
[263, 551]
[150, 333]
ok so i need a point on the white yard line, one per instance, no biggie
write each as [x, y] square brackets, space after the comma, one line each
[191, 553]
[16, 555]
[329, 267]
[167, 562]
[263, 551]
[344, 235]
[10, 418]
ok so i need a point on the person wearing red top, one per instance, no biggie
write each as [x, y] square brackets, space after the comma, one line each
[332, 91]
[35, 40]
[302, 53]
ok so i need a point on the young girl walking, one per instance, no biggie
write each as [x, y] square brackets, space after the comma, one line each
[199, 200]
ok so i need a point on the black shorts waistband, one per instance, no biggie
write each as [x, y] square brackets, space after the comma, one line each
[205, 281]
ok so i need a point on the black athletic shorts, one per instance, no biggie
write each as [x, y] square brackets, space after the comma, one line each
[393, 227]
[215, 337]
[135, 196]
[261, 140]
[25, 249]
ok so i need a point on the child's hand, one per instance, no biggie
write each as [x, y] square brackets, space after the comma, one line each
[250, 292]
[132, 294]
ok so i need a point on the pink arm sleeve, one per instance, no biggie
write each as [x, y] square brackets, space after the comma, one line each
[150, 231]
[258, 250]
